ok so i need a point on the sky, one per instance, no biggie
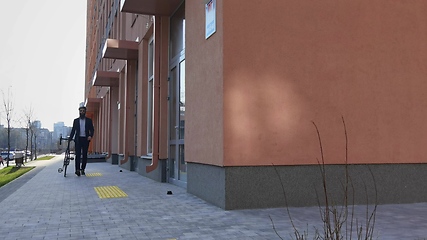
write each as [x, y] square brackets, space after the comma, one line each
[42, 60]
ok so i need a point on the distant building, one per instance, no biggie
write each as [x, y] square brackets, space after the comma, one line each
[37, 124]
[59, 129]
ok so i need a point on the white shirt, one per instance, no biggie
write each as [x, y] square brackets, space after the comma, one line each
[82, 127]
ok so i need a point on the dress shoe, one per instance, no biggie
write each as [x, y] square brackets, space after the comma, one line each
[78, 173]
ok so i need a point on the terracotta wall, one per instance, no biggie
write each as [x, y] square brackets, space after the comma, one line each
[317, 61]
[204, 87]
[288, 63]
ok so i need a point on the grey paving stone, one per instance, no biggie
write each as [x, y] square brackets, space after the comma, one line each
[44, 205]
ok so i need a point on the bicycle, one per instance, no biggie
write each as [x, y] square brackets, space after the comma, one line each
[67, 156]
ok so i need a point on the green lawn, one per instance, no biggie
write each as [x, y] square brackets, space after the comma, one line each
[45, 158]
[10, 173]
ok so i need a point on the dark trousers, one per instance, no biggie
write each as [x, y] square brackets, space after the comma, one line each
[81, 153]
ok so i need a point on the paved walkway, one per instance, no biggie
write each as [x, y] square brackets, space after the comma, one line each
[42, 204]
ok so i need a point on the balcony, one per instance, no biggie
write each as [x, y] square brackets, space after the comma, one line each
[106, 79]
[92, 104]
[150, 7]
[120, 49]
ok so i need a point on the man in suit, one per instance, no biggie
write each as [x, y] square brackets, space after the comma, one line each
[82, 132]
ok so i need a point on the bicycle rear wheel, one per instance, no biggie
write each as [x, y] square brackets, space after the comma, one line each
[66, 162]
[65, 169]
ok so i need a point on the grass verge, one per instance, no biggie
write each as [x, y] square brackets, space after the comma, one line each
[8, 174]
[45, 158]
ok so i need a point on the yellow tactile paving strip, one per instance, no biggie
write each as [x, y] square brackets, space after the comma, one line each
[93, 174]
[110, 192]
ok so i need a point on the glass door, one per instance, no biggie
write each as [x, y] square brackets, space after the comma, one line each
[177, 167]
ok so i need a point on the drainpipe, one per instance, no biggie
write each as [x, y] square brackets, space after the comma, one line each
[125, 158]
[159, 38]
[126, 154]
[156, 120]
[125, 148]
[109, 133]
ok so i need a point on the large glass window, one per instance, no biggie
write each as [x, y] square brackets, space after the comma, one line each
[177, 31]
[181, 99]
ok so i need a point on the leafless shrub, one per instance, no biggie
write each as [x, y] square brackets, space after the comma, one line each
[338, 218]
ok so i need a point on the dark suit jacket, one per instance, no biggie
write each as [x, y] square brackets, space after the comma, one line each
[75, 131]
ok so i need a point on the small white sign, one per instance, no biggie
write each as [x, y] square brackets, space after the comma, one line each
[210, 10]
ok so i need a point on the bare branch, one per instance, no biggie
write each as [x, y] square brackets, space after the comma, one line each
[8, 110]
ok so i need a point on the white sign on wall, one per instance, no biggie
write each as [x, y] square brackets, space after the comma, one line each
[210, 24]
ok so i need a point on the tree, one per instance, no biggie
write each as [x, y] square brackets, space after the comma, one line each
[35, 141]
[8, 111]
[28, 117]
[34, 133]
[31, 139]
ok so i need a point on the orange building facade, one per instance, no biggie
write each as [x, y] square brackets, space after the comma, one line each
[246, 102]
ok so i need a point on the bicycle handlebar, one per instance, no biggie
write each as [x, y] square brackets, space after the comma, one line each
[66, 139]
